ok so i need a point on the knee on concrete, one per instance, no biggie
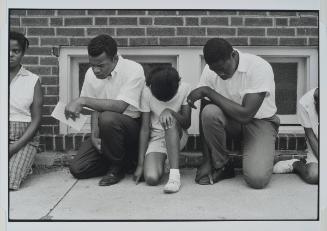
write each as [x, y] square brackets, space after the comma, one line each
[257, 182]
[75, 171]
[152, 179]
[212, 112]
[311, 174]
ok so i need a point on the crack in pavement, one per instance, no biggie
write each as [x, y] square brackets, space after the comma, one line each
[47, 216]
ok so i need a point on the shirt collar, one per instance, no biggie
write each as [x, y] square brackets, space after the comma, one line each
[242, 66]
[118, 67]
[22, 72]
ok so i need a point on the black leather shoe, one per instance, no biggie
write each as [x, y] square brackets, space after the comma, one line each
[225, 172]
[113, 176]
[216, 175]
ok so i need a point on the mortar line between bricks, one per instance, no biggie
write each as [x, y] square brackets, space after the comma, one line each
[45, 217]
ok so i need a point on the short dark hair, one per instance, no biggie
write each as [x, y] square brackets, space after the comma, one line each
[217, 49]
[102, 43]
[20, 38]
[163, 82]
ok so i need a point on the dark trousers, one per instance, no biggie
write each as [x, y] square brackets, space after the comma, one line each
[119, 146]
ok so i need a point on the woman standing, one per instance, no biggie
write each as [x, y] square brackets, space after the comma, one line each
[25, 112]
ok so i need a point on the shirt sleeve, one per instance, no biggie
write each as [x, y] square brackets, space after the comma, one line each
[35, 79]
[261, 79]
[187, 90]
[132, 89]
[303, 116]
[145, 99]
[204, 77]
[87, 88]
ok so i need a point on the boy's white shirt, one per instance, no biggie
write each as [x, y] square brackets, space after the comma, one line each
[308, 118]
[253, 75]
[307, 114]
[150, 104]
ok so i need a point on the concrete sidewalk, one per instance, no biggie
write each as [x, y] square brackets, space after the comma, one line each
[56, 195]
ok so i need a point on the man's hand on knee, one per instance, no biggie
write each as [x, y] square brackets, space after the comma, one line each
[196, 94]
[166, 119]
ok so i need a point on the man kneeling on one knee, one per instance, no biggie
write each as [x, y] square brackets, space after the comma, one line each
[112, 88]
[241, 91]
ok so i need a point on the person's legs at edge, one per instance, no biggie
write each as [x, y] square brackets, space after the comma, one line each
[172, 138]
[306, 169]
[259, 138]
[117, 131]
[154, 167]
[20, 164]
[308, 172]
[88, 162]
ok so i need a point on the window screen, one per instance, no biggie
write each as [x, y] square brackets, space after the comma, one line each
[286, 87]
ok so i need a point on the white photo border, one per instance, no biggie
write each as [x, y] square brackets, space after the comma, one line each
[320, 5]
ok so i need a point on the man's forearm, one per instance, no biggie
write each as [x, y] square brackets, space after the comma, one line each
[101, 105]
[28, 134]
[94, 124]
[143, 144]
[232, 109]
[184, 122]
[313, 141]
[315, 149]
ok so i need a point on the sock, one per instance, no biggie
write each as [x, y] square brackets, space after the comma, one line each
[174, 174]
[174, 183]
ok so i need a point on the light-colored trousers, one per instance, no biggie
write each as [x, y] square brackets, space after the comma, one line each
[257, 143]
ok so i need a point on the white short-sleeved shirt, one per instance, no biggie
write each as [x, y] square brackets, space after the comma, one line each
[151, 104]
[21, 95]
[308, 118]
[253, 75]
[125, 83]
[307, 113]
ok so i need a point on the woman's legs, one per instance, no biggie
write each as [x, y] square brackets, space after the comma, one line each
[20, 164]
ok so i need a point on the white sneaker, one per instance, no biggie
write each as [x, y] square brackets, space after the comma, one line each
[172, 186]
[285, 166]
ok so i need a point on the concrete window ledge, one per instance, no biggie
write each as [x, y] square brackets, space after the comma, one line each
[67, 142]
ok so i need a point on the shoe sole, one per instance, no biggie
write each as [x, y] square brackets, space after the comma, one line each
[203, 181]
[170, 192]
[108, 184]
[224, 177]
[111, 182]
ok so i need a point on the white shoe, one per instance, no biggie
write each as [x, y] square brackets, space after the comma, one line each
[172, 186]
[284, 166]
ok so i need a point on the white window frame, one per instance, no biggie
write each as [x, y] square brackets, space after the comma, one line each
[301, 85]
[187, 61]
[309, 56]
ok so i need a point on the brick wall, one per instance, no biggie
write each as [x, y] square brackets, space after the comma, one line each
[47, 30]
